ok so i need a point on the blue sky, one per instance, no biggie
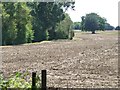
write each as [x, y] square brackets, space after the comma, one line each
[104, 8]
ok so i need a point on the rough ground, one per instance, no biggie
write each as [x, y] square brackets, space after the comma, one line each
[86, 61]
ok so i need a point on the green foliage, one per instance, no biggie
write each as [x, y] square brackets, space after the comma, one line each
[18, 80]
[92, 22]
[25, 33]
[102, 22]
[76, 25]
[46, 16]
[117, 28]
[83, 23]
[16, 21]
[64, 30]
[25, 22]
[108, 26]
[9, 30]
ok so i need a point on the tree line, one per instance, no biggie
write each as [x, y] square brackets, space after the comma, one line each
[26, 22]
[92, 22]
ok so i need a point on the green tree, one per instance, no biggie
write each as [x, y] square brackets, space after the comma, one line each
[108, 26]
[9, 30]
[83, 23]
[25, 21]
[76, 25]
[46, 18]
[92, 22]
[24, 26]
[117, 28]
[102, 22]
[64, 29]
[16, 23]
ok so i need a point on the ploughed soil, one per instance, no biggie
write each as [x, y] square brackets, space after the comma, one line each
[89, 60]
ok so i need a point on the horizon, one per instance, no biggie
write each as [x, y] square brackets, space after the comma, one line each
[109, 10]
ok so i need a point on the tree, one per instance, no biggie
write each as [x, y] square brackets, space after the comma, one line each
[108, 26]
[16, 21]
[64, 29]
[92, 22]
[117, 28]
[76, 25]
[46, 18]
[23, 17]
[25, 22]
[102, 22]
[9, 30]
[83, 23]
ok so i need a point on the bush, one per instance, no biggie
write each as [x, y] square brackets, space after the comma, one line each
[18, 81]
[64, 28]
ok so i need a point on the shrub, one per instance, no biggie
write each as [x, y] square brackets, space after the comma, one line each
[18, 80]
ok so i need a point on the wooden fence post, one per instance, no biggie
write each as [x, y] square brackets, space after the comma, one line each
[44, 79]
[33, 80]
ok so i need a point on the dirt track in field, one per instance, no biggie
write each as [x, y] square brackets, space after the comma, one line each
[86, 61]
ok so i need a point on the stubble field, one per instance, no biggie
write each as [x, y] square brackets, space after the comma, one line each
[89, 60]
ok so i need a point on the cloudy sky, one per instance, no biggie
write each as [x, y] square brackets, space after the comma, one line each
[104, 8]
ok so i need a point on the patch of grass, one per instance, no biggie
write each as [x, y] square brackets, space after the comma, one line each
[109, 32]
[113, 32]
[37, 43]
[27, 44]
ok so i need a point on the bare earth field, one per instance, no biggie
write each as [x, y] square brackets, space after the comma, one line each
[86, 61]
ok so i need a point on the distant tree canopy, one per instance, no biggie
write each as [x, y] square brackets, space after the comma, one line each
[92, 22]
[117, 28]
[24, 22]
[108, 26]
[76, 26]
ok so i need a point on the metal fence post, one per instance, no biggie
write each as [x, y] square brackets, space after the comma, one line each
[44, 79]
[33, 80]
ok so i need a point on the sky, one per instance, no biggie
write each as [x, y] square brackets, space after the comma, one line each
[104, 8]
